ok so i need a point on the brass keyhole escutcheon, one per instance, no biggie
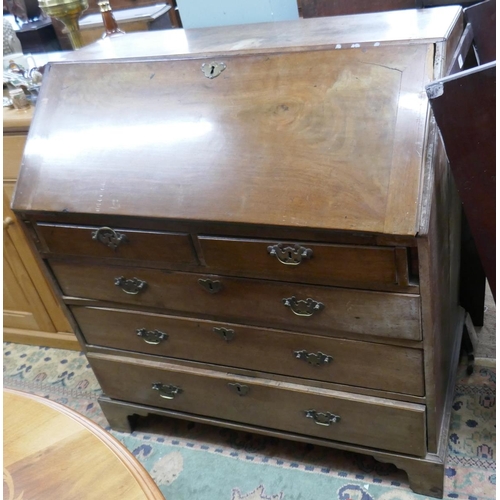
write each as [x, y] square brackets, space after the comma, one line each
[225, 333]
[240, 389]
[211, 286]
[213, 69]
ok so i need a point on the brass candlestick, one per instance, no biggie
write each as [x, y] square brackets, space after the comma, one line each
[68, 12]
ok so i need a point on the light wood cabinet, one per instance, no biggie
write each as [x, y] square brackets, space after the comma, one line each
[31, 314]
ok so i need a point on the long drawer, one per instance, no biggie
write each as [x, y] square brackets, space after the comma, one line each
[343, 265]
[363, 364]
[372, 422]
[262, 303]
[123, 244]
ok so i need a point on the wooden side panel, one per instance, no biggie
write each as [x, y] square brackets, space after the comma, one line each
[439, 266]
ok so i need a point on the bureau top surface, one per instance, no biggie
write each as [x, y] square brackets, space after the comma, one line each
[394, 27]
[329, 139]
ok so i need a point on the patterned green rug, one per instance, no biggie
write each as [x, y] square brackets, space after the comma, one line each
[199, 462]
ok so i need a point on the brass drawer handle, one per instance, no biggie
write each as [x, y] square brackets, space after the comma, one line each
[325, 419]
[109, 237]
[8, 221]
[313, 359]
[303, 307]
[288, 255]
[211, 286]
[166, 391]
[225, 333]
[152, 337]
[132, 286]
[240, 389]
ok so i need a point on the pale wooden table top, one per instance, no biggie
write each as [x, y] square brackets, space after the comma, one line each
[52, 452]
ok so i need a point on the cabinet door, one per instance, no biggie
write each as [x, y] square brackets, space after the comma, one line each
[31, 311]
[23, 308]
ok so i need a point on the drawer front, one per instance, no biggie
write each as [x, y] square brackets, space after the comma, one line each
[355, 363]
[112, 243]
[372, 422]
[342, 265]
[261, 303]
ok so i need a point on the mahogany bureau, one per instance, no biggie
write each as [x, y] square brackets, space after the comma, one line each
[259, 230]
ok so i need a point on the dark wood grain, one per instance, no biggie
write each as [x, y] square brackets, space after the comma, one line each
[249, 301]
[354, 363]
[167, 247]
[220, 141]
[377, 422]
[327, 264]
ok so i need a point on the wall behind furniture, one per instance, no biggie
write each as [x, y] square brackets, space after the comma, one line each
[201, 14]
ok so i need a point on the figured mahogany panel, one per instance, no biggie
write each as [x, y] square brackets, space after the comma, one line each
[338, 134]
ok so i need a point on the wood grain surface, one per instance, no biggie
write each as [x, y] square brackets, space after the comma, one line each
[344, 147]
[399, 27]
[249, 301]
[375, 422]
[352, 363]
[50, 452]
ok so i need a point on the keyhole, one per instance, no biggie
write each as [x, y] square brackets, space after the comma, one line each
[212, 69]
[289, 255]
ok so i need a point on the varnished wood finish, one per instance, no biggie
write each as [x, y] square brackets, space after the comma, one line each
[378, 423]
[317, 133]
[399, 27]
[426, 474]
[253, 301]
[353, 363]
[51, 452]
[333, 180]
[170, 248]
[328, 264]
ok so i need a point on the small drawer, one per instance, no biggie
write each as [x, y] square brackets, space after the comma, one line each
[114, 243]
[287, 306]
[339, 416]
[342, 265]
[362, 364]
